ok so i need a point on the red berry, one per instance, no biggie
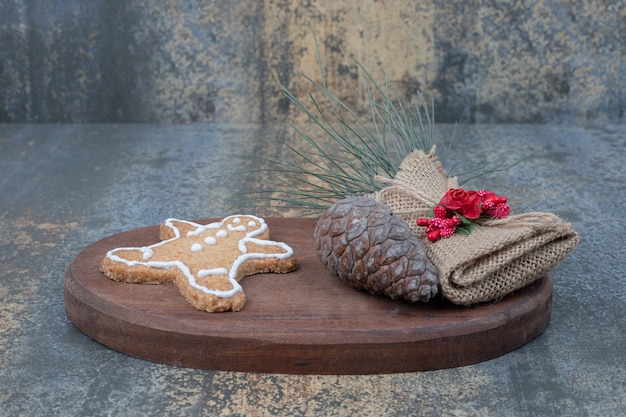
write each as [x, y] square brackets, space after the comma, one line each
[448, 223]
[491, 198]
[434, 235]
[488, 205]
[447, 232]
[440, 212]
[502, 210]
[438, 223]
[423, 221]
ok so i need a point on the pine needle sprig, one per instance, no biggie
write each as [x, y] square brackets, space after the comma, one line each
[355, 150]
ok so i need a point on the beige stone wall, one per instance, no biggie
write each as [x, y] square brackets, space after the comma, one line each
[389, 38]
[223, 60]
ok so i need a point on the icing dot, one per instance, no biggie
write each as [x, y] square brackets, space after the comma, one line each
[251, 223]
[210, 240]
[236, 220]
[147, 253]
[196, 247]
[221, 233]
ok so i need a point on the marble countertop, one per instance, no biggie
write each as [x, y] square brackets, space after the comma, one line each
[65, 186]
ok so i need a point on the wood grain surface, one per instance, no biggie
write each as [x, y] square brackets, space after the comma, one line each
[304, 322]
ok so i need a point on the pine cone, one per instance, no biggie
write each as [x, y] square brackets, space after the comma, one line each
[371, 249]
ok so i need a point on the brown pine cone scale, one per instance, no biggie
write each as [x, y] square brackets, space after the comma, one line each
[362, 242]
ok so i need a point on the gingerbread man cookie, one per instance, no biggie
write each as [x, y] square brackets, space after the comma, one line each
[206, 262]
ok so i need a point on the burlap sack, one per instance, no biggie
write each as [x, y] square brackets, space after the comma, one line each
[498, 257]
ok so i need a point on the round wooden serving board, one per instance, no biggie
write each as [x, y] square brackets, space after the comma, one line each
[303, 322]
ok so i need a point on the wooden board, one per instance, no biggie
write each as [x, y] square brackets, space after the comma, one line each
[304, 322]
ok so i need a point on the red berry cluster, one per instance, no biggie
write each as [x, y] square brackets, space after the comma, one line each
[458, 207]
[442, 225]
[493, 205]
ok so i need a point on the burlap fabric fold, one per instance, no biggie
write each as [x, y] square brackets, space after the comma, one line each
[497, 258]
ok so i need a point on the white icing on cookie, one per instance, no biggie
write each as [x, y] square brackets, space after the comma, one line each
[147, 253]
[236, 228]
[210, 240]
[196, 247]
[213, 271]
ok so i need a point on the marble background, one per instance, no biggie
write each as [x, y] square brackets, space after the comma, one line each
[182, 61]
